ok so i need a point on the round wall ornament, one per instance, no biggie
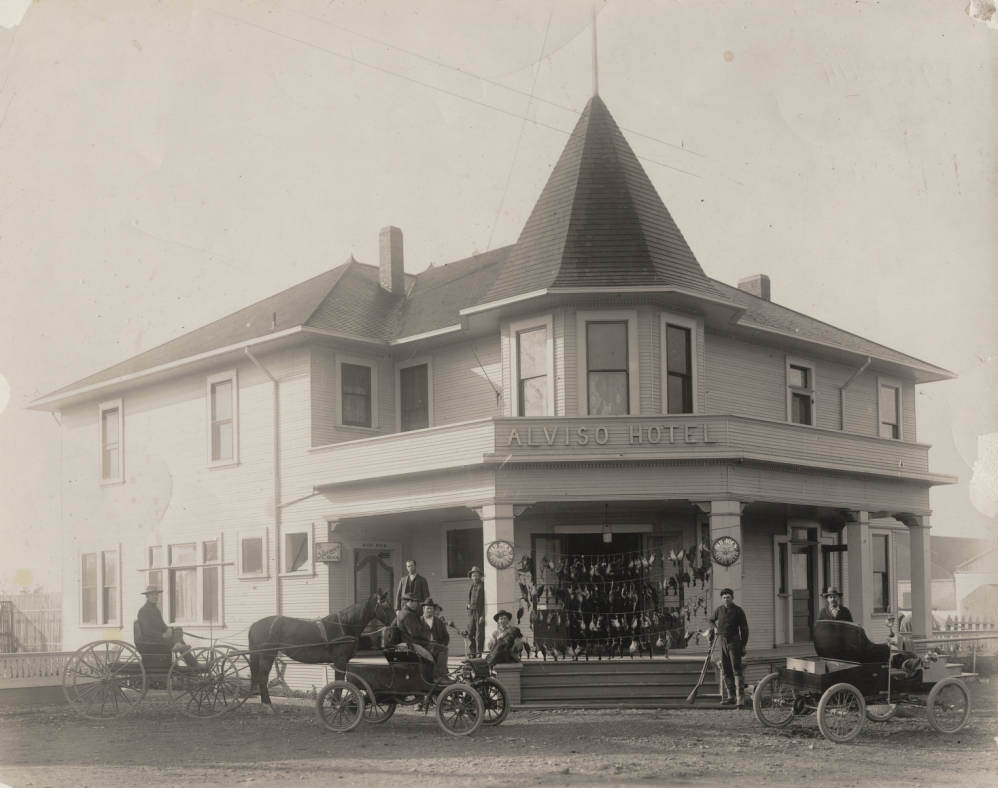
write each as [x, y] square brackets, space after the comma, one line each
[500, 554]
[725, 550]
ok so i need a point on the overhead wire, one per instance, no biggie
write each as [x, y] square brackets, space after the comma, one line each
[493, 82]
[437, 88]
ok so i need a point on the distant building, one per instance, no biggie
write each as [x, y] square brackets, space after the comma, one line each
[964, 579]
[585, 396]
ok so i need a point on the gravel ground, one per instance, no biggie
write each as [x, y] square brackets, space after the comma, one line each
[50, 746]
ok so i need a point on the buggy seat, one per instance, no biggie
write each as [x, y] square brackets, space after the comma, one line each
[156, 654]
[394, 655]
[847, 642]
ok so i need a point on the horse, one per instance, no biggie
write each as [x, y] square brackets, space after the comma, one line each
[329, 640]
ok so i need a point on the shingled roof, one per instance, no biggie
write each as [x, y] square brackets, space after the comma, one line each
[599, 223]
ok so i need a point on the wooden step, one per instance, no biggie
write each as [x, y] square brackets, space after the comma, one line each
[605, 681]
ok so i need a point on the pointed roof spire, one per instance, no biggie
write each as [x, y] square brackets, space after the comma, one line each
[599, 223]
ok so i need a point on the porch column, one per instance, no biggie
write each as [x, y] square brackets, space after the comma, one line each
[860, 553]
[921, 576]
[500, 584]
[726, 520]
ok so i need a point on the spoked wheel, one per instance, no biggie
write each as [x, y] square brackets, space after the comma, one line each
[340, 706]
[200, 690]
[841, 713]
[460, 709]
[948, 705]
[495, 700]
[234, 677]
[376, 711]
[773, 702]
[104, 679]
[881, 712]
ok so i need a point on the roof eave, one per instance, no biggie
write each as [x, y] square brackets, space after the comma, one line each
[53, 402]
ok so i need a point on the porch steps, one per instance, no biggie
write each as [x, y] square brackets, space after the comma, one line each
[619, 682]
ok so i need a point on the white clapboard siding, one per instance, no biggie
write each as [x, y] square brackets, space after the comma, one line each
[465, 378]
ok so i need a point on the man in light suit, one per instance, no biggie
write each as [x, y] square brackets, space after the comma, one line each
[411, 583]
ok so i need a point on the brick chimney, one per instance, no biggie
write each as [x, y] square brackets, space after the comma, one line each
[391, 274]
[757, 285]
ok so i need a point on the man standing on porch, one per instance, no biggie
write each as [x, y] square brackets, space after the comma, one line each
[411, 583]
[731, 626]
[833, 609]
[476, 613]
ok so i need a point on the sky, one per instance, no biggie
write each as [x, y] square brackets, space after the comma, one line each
[164, 164]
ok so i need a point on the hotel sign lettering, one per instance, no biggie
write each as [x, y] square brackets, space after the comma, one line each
[612, 435]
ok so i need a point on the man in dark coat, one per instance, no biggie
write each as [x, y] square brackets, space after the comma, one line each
[731, 626]
[154, 630]
[411, 583]
[439, 637]
[476, 613]
[833, 609]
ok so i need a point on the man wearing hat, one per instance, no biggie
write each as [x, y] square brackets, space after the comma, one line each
[411, 583]
[833, 609]
[410, 627]
[731, 626]
[505, 635]
[154, 629]
[439, 637]
[476, 613]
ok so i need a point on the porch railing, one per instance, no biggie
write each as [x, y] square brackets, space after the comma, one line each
[22, 668]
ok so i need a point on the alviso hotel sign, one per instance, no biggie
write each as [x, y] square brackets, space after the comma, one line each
[576, 434]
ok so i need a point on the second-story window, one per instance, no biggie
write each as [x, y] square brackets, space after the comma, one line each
[889, 411]
[223, 419]
[111, 466]
[355, 391]
[679, 369]
[800, 392]
[607, 377]
[532, 371]
[414, 397]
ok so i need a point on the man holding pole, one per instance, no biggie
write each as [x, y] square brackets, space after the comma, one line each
[731, 626]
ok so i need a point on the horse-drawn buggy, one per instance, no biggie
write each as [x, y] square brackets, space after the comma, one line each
[466, 698]
[852, 679]
[109, 678]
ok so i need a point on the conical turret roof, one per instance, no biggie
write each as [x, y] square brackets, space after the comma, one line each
[599, 223]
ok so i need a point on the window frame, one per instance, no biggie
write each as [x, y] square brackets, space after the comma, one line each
[582, 320]
[98, 553]
[165, 565]
[253, 533]
[308, 568]
[102, 408]
[358, 362]
[231, 376]
[469, 526]
[888, 572]
[399, 366]
[515, 329]
[692, 324]
[882, 383]
[810, 390]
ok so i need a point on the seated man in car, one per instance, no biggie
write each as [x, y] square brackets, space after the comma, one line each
[410, 630]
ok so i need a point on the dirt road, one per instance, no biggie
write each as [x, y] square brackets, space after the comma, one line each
[157, 746]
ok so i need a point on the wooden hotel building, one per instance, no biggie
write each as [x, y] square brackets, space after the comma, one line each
[587, 395]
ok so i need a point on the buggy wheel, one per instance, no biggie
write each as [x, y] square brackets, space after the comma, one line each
[199, 689]
[948, 705]
[104, 679]
[841, 713]
[376, 711]
[495, 700]
[340, 706]
[234, 676]
[881, 712]
[773, 702]
[460, 709]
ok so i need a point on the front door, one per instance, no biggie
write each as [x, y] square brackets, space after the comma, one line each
[372, 573]
[802, 585]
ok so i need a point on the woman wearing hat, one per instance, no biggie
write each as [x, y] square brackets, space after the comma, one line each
[833, 609]
[476, 613]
